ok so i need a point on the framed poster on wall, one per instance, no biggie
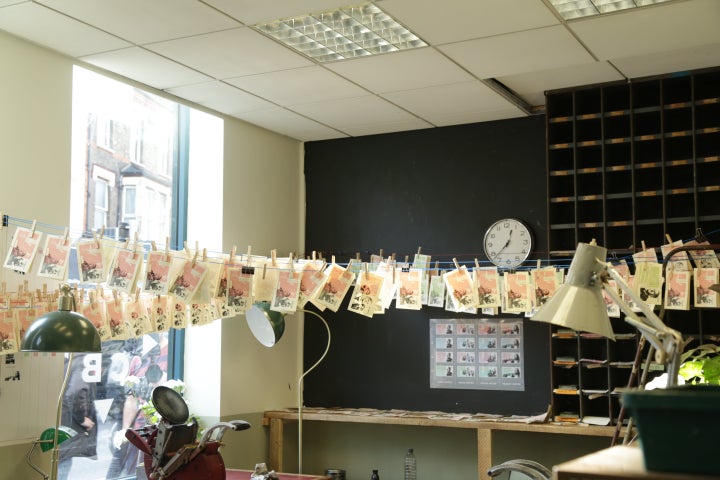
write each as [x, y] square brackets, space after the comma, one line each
[479, 354]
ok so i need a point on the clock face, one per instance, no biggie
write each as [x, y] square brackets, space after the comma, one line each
[507, 243]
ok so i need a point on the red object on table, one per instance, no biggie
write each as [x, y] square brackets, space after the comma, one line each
[245, 475]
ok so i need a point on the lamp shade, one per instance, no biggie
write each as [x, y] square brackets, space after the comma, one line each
[266, 325]
[62, 330]
[578, 304]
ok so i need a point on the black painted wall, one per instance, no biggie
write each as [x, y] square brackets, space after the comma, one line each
[438, 189]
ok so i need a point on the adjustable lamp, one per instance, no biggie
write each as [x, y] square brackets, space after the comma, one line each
[60, 331]
[268, 326]
[578, 304]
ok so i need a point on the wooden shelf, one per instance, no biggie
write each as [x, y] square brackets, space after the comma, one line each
[627, 163]
[485, 425]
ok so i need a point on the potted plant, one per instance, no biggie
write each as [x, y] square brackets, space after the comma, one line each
[701, 365]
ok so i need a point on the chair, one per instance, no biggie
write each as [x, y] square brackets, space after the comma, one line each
[520, 469]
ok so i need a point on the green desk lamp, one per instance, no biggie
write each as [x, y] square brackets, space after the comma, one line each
[268, 326]
[64, 331]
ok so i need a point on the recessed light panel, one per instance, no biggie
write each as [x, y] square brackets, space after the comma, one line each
[343, 33]
[570, 9]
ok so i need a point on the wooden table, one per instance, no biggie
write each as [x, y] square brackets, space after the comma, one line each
[614, 463]
[276, 419]
[245, 475]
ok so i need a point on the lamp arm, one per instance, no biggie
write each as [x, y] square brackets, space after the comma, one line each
[668, 342]
[55, 459]
[300, 381]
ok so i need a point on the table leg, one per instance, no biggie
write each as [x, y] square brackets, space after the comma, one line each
[484, 452]
[276, 445]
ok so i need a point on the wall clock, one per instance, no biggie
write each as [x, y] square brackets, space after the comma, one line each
[508, 243]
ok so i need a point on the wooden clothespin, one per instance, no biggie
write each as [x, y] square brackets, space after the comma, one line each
[97, 242]
[667, 236]
[204, 255]
[437, 267]
[332, 262]
[233, 250]
[185, 247]
[32, 229]
[153, 245]
[393, 256]
[407, 258]
[319, 272]
[167, 249]
[357, 256]
[102, 232]
[292, 266]
[477, 264]
[393, 270]
[65, 236]
[273, 256]
[137, 295]
[249, 250]
[264, 270]
[135, 246]
[642, 244]
[457, 265]
[539, 264]
[194, 260]
[367, 269]
[419, 252]
[381, 253]
[350, 263]
[314, 255]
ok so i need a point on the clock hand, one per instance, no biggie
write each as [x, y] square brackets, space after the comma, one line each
[504, 246]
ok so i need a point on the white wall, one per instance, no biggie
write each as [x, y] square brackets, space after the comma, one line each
[35, 128]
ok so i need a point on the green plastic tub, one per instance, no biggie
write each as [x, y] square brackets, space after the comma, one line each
[679, 427]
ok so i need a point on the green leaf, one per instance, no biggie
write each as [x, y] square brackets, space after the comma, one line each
[691, 370]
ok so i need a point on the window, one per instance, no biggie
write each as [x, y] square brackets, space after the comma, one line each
[100, 194]
[129, 205]
[123, 178]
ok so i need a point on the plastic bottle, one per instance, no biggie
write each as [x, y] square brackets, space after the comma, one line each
[375, 475]
[410, 465]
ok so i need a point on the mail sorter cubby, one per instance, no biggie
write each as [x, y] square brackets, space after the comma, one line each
[629, 162]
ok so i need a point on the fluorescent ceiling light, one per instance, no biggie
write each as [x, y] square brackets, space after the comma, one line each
[570, 9]
[343, 33]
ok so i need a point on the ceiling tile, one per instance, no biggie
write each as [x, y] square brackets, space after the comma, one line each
[221, 97]
[59, 32]
[532, 86]
[298, 85]
[668, 26]
[388, 127]
[145, 67]
[4, 3]
[289, 123]
[549, 47]
[351, 115]
[252, 12]
[231, 53]
[437, 104]
[458, 20]
[142, 21]
[669, 61]
[423, 67]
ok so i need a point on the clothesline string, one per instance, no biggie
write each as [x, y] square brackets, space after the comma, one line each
[218, 257]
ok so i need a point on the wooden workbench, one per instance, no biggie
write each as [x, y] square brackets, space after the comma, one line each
[484, 424]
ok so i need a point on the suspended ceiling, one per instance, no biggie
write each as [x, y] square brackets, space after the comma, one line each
[486, 59]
